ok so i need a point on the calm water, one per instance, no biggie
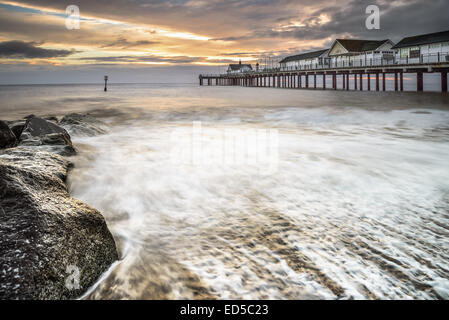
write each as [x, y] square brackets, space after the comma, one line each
[357, 206]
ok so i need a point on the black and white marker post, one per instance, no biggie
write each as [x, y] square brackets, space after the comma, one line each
[105, 83]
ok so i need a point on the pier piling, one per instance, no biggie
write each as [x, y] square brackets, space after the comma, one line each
[443, 81]
[419, 81]
[292, 79]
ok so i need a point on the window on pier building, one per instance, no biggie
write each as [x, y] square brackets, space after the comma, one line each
[404, 53]
[434, 46]
[415, 52]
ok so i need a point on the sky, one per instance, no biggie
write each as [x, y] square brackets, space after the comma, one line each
[160, 41]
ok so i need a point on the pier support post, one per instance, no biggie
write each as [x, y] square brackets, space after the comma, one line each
[361, 82]
[324, 81]
[307, 81]
[443, 81]
[395, 81]
[377, 81]
[355, 81]
[344, 81]
[347, 82]
[419, 81]
[300, 81]
[383, 81]
[401, 81]
[314, 81]
[334, 81]
[369, 81]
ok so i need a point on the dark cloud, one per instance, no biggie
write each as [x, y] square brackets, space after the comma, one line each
[398, 19]
[155, 59]
[149, 58]
[123, 43]
[241, 20]
[21, 49]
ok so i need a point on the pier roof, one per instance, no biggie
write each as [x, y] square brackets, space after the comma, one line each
[238, 66]
[423, 39]
[304, 56]
[354, 45]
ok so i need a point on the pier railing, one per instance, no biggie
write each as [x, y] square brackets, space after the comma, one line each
[439, 57]
[432, 58]
[291, 77]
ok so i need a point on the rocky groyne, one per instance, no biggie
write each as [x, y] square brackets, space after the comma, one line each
[52, 246]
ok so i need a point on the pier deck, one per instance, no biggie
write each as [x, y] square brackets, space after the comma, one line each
[300, 78]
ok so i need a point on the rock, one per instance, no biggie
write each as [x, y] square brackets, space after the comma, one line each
[36, 127]
[17, 128]
[53, 138]
[46, 236]
[7, 137]
[52, 119]
[82, 124]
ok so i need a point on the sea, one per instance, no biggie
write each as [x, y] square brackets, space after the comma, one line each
[260, 193]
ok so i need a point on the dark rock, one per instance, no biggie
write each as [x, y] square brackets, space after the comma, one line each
[82, 124]
[36, 127]
[17, 128]
[30, 116]
[46, 236]
[7, 137]
[52, 119]
[40, 132]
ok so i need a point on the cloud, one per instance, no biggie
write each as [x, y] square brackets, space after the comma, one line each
[22, 49]
[123, 43]
[201, 32]
[180, 60]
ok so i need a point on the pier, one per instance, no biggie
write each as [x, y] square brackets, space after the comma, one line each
[349, 64]
[350, 77]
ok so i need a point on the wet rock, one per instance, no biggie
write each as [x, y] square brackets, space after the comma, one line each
[52, 119]
[47, 237]
[17, 128]
[53, 138]
[7, 137]
[82, 124]
[36, 127]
